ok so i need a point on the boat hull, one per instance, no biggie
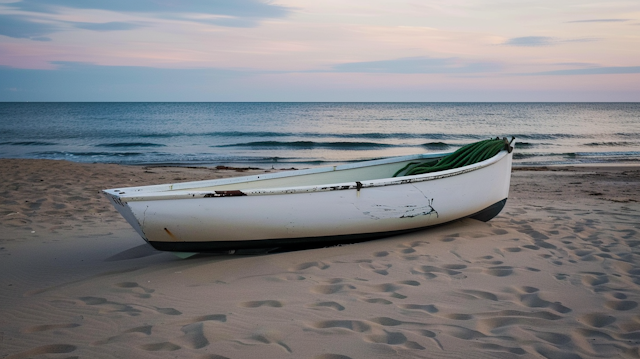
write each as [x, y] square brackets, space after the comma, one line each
[209, 220]
[302, 243]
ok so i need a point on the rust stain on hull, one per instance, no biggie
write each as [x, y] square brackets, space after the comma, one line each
[171, 235]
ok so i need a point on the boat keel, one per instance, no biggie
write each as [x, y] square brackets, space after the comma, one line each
[488, 213]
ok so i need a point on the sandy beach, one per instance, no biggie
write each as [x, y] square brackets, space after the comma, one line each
[556, 275]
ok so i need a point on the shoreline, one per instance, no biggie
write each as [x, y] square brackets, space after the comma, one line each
[555, 275]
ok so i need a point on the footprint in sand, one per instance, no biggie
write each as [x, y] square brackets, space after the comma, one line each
[194, 335]
[427, 308]
[529, 297]
[261, 303]
[499, 323]
[492, 322]
[535, 235]
[592, 333]
[458, 316]
[488, 260]
[553, 353]
[135, 289]
[289, 277]
[544, 315]
[628, 269]
[126, 335]
[598, 341]
[211, 317]
[168, 311]
[269, 337]
[551, 337]
[621, 305]
[597, 320]
[43, 350]
[485, 258]
[632, 325]
[351, 325]
[329, 305]
[386, 321]
[499, 271]
[332, 288]
[476, 294]
[595, 279]
[430, 272]
[307, 265]
[393, 288]
[586, 255]
[561, 276]
[619, 295]
[431, 335]
[46, 327]
[393, 338]
[461, 332]
[377, 268]
[377, 301]
[106, 306]
[499, 348]
[164, 346]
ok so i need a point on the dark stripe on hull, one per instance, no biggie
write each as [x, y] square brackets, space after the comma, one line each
[271, 245]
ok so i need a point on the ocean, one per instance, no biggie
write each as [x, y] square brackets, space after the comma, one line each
[301, 135]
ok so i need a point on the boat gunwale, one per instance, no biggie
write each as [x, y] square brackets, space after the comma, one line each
[172, 191]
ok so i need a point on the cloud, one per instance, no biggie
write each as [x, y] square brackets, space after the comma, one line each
[531, 41]
[106, 26]
[613, 70]
[537, 41]
[237, 12]
[424, 65]
[599, 20]
[226, 21]
[584, 39]
[20, 27]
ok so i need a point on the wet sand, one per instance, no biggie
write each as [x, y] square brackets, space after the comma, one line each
[555, 275]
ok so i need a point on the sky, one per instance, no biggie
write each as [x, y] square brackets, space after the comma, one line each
[328, 50]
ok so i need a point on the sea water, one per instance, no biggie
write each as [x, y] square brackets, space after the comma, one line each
[300, 135]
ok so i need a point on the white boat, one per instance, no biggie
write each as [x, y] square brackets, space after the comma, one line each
[318, 206]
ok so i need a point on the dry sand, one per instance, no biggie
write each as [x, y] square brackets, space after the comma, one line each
[556, 275]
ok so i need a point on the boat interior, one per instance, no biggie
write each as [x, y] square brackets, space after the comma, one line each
[347, 173]
[314, 178]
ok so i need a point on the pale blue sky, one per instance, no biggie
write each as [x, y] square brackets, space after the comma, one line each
[295, 50]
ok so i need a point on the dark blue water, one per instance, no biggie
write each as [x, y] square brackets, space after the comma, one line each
[312, 134]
